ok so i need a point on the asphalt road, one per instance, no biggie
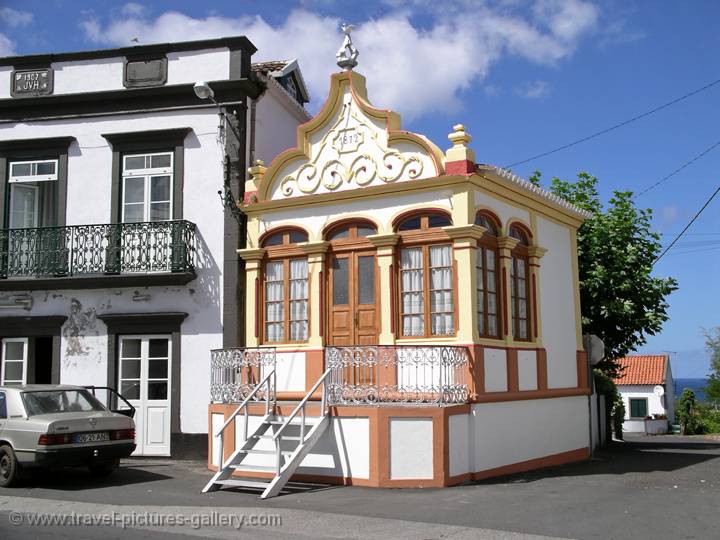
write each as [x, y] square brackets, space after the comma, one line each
[647, 487]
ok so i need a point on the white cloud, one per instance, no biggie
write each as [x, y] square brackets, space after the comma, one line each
[414, 70]
[7, 47]
[131, 9]
[14, 17]
[533, 90]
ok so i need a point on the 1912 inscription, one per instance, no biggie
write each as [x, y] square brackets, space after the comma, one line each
[36, 82]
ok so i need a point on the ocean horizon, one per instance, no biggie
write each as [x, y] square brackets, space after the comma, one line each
[696, 384]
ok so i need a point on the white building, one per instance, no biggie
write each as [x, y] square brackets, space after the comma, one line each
[118, 263]
[430, 301]
[646, 387]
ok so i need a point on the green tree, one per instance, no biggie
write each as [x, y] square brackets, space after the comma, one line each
[622, 302]
[687, 414]
[712, 344]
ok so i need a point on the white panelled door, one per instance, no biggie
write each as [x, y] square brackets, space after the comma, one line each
[145, 367]
[14, 361]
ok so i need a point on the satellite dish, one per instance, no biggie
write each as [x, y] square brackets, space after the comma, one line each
[659, 390]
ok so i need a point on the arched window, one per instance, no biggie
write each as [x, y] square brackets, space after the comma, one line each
[285, 288]
[519, 290]
[351, 230]
[486, 264]
[429, 220]
[426, 280]
[285, 237]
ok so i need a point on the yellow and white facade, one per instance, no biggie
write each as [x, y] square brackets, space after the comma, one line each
[368, 235]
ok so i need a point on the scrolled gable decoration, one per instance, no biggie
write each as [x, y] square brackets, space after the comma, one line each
[350, 145]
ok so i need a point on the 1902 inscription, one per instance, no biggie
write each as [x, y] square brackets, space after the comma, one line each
[35, 82]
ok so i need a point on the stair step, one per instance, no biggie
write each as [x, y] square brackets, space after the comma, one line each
[270, 452]
[283, 437]
[248, 467]
[308, 423]
[243, 483]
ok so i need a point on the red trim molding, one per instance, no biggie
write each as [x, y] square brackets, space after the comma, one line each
[459, 167]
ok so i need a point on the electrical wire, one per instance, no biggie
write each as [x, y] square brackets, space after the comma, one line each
[680, 168]
[616, 126]
[697, 215]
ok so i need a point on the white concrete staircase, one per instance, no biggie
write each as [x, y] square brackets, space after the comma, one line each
[277, 445]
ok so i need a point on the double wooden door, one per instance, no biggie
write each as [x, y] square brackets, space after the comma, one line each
[352, 298]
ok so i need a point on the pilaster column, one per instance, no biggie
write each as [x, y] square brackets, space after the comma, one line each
[465, 238]
[535, 253]
[505, 246]
[253, 267]
[316, 264]
[385, 244]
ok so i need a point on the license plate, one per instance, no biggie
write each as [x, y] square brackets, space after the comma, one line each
[92, 437]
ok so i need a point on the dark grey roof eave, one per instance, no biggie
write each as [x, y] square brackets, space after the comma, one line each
[234, 42]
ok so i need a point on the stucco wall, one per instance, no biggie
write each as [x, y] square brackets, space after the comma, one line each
[98, 75]
[275, 125]
[506, 433]
[557, 304]
[89, 192]
[656, 404]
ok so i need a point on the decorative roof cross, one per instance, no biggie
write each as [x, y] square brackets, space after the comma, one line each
[347, 53]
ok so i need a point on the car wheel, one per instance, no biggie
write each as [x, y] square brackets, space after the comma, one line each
[8, 466]
[101, 470]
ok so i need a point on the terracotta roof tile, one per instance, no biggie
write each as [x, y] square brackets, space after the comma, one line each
[642, 369]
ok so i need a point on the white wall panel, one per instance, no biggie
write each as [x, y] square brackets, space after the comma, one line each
[516, 431]
[411, 448]
[495, 361]
[527, 370]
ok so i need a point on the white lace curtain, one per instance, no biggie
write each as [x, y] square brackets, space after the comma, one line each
[412, 269]
[297, 300]
[441, 291]
[413, 303]
[274, 301]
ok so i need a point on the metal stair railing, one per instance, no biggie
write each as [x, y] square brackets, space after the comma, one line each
[301, 409]
[269, 383]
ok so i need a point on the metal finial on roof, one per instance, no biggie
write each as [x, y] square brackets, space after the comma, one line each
[347, 53]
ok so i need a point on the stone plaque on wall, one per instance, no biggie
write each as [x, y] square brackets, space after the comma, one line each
[31, 82]
[140, 72]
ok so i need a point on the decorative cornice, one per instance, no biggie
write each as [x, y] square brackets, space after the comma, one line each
[536, 251]
[462, 232]
[525, 184]
[383, 240]
[251, 254]
[507, 242]
[315, 248]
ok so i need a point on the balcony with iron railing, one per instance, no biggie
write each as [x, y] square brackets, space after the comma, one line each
[91, 256]
[412, 375]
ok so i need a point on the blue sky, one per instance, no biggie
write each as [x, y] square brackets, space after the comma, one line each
[523, 76]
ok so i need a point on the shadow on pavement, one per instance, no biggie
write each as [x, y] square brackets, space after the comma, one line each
[636, 455]
[80, 479]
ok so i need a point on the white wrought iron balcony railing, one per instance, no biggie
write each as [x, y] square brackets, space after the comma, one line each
[410, 374]
[235, 373]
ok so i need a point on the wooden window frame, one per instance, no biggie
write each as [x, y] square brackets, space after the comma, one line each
[488, 242]
[519, 255]
[630, 401]
[283, 253]
[424, 238]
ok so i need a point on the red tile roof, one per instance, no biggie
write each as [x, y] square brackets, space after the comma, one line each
[642, 369]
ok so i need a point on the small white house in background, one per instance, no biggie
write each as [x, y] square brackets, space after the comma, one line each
[646, 387]
[118, 263]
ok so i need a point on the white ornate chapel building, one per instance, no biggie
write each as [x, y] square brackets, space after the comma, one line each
[422, 305]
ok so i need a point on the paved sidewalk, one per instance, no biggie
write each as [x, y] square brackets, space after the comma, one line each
[648, 487]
